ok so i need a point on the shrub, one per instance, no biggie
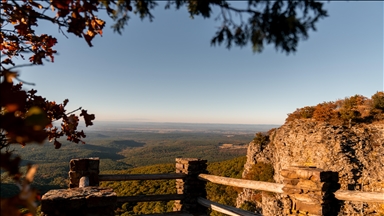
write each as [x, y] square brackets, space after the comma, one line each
[261, 139]
[307, 112]
[349, 110]
[260, 172]
[302, 113]
[378, 101]
[325, 112]
[248, 206]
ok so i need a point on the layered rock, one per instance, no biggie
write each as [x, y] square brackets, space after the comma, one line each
[88, 201]
[356, 153]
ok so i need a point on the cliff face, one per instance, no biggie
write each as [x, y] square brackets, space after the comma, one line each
[356, 153]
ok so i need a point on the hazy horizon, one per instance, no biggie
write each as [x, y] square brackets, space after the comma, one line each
[176, 127]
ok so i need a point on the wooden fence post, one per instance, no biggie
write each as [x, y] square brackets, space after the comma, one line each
[83, 167]
[191, 186]
[309, 191]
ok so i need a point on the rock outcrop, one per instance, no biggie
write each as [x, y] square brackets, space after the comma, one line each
[87, 201]
[355, 152]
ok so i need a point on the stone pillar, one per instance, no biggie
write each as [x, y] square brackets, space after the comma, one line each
[309, 191]
[191, 186]
[84, 167]
[89, 201]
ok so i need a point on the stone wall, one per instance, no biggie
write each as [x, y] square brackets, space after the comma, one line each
[88, 201]
[309, 191]
[356, 153]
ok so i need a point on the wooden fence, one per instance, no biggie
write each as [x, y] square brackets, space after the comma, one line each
[307, 190]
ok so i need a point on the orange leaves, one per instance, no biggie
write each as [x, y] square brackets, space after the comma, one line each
[57, 144]
[77, 16]
[81, 19]
[10, 47]
[28, 117]
[23, 40]
[88, 118]
[23, 29]
[61, 4]
[355, 109]
[325, 112]
[50, 41]
[76, 25]
[88, 39]
[10, 164]
[26, 198]
[9, 75]
[47, 42]
[71, 123]
[95, 26]
[41, 46]
[37, 58]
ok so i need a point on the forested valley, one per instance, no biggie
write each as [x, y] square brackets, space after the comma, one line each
[139, 152]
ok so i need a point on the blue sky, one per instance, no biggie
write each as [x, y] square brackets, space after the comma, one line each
[166, 70]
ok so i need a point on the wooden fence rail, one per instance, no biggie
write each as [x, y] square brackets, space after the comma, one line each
[255, 185]
[301, 185]
[150, 198]
[278, 188]
[228, 210]
[130, 177]
[360, 196]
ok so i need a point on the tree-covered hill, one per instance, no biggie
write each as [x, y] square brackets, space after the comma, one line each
[219, 193]
[122, 150]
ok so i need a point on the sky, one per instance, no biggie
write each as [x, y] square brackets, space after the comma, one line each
[167, 71]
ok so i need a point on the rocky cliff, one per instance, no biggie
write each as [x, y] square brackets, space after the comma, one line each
[356, 152]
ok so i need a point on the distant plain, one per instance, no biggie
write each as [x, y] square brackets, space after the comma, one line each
[122, 146]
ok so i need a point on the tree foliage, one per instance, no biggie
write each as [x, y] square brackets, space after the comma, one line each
[325, 111]
[305, 112]
[354, 109]
[260, 172]
[282, 23]
[28, 118]
[378, 101]
[261, 139]
[219, 193]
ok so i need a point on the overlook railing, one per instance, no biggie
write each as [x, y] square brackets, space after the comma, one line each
[306, 190]
[344, 195]
[145, 198]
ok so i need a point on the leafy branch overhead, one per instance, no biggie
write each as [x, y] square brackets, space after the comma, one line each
[26, 117]
[282, 23]
[29, 118]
